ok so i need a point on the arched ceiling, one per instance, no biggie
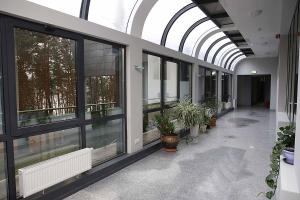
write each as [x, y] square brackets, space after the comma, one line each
[195, 28]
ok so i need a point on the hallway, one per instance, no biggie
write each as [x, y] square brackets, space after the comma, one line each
[230, 162]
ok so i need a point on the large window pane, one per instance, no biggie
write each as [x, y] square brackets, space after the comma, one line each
[185, 81]
[34, 149]
[201, 85]
[151, 81]
[162, 12]
[181, 25]
[103, 79]
[46, 77]
[71, 7]
[207, 44]
[196, 36]
[151, 133]
[114, 14]
[170, 82]
[107, 139]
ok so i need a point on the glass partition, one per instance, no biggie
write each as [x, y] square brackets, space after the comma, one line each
[170, 82]
[226, 91]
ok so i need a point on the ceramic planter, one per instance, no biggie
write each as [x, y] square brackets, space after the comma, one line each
[289, 156]
[203, 128]
[194, 131]
[170, 142]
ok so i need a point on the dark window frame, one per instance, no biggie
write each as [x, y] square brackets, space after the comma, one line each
[11, 131]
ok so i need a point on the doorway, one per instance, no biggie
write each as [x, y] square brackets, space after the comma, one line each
[254, 90]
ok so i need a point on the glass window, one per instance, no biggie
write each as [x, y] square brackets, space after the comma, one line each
[232, 59]
[201, 85]
[71, 7]
[181, 25]
[170, 83]
[226, 56]
[210, 84]
[103, 79]
[185, 81]
[107, 139]
[34, 149]
[162, 12]
[196, 36]
[215, 48]
[46, 77]
[114, 14]
[223, 52]
[207, 44]
[151, 133]
[151, 81]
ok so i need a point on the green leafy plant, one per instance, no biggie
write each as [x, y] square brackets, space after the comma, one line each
[211, 106]
[188, 113]
[286, 139]
[164, 124]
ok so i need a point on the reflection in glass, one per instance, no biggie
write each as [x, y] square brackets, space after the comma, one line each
[210, 84]
[151, 133]
[3, 181]
[46, 77]
[107, 139]
[103, 79]
[185, 81]
[151, 81]
[34, 149]
[170, 83]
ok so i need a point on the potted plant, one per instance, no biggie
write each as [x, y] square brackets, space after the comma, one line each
[212, 109]
[189, 114]
[285, 144]
[167, 130]
[204, 121]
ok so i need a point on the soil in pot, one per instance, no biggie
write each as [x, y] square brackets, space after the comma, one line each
[170, 143]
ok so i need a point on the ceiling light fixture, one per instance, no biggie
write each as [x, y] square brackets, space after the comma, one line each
[253, 72]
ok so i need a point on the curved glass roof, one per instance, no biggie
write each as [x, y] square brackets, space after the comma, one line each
[181, 26]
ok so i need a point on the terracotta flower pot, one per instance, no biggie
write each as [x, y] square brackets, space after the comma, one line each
[170, 142]
[213, 122]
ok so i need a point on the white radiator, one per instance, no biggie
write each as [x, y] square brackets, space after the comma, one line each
[37, 177]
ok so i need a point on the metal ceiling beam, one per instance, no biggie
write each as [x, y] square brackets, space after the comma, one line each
[219, 15]
[212, 45]
[187, 33]
[205, 1]
[231, 56]
[197, 52]
[218, 51]
[230, 65]
[226, 54]
[173, 20]
[84, 9]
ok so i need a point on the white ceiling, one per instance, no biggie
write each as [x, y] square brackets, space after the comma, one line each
[260, 31]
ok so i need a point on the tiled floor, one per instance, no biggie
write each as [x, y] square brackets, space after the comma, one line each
[229, 162]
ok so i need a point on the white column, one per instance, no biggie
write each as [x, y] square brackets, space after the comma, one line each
[297, 142]
[134, 94]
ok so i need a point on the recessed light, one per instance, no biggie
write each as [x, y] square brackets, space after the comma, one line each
[259, 29]
[256, 13]
[253, 72]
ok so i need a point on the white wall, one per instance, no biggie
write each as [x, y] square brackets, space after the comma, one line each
[263, 66]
